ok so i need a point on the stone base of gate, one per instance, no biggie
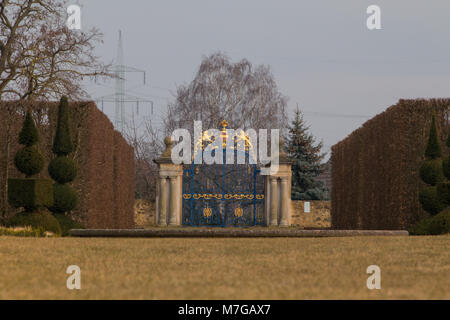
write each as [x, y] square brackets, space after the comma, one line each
[255, 232]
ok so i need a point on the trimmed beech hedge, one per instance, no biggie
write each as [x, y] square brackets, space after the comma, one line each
[376, 169]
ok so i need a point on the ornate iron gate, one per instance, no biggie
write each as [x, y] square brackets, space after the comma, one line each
[221, 195]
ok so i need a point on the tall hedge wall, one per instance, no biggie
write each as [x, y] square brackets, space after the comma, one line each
[97, 146]
[375, 170]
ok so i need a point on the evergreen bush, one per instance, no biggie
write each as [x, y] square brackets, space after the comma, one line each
[62, 169]
[31, 194]
[65, 198]
[28, 136]
[433, 150]
[435, 225]
[67, 223]
[431, 172]
[430, 200]
[35, 220]
[29, 161]
[443, 191]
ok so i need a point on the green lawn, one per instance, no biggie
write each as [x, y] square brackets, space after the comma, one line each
[236, 268]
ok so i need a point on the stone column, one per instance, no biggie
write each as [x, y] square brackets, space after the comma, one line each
[162, 212]
[273, 201]
[284, 219]
[280, 199]
[174, 197]
[169, 192]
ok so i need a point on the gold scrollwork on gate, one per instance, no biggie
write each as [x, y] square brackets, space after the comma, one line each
[228, 196]
[238, 212]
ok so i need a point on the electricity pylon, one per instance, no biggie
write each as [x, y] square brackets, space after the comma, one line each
[120, 97]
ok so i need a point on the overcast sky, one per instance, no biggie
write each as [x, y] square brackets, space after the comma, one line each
[321, 53]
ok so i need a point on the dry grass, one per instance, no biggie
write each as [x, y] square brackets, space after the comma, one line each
[276, 268]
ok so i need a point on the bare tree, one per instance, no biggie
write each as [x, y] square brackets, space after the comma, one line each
[245, 96]
[40, 57]
[147, 144]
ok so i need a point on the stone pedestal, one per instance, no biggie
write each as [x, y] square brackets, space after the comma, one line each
[168, 191]
[278, 193]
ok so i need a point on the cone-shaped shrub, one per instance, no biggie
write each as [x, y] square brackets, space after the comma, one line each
[28, 159]
[28, 136]
[62, 145]
[63, 169]
[433, 150]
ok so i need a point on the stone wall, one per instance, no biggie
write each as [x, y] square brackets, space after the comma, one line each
[105, 161]
[318, 217]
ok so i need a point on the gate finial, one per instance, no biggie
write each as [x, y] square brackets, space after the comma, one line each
[224, 125]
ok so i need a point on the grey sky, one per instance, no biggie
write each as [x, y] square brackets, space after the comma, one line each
[321, 53]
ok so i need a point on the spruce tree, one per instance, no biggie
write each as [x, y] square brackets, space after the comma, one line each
[306, 158]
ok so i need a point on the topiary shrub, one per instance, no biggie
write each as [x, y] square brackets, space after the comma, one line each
[62, 169]
[29, 193]
[446, 167]
[65, 198]
[29, 161]
[435, 225]
[67, 223]
[433, 150]
[443, 192]
[431, 172]
[430, 200]
[436, 197]
[62, 145]
[28, 136]
[35, 220]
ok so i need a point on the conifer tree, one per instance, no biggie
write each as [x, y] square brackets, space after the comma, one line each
[306, 158]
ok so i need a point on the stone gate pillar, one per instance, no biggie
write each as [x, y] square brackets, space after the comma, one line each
[168, 189]
[278, 192]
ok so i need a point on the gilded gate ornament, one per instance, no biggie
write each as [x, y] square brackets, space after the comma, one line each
[207, 212]
[238, 212]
